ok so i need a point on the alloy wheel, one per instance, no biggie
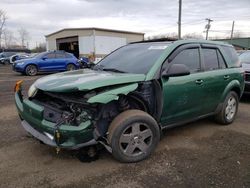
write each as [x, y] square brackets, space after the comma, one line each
[231, 107]
[136, 139]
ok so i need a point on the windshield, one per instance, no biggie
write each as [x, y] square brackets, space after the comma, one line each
[33, 55]
[135, 58]
[40, 55]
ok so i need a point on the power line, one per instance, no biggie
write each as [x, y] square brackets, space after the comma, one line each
[193, 22]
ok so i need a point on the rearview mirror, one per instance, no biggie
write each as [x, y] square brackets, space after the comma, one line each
[176, 70]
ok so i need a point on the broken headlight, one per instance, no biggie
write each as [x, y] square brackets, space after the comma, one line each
[32, 91]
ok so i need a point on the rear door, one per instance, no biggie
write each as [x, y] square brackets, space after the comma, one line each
[216, 76]
[61, 61]
[184, 95]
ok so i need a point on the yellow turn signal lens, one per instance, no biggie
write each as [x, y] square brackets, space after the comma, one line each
[18, 85]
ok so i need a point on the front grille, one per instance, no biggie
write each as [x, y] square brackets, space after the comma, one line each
[247, 76]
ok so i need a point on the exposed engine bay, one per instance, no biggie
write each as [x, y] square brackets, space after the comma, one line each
[74, 109]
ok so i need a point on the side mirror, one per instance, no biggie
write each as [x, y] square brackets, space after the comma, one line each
[44, 58]
[176, 70]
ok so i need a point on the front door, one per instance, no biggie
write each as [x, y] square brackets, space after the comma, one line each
[47, 62]
[184, 95]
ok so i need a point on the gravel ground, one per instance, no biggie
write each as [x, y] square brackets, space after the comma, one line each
[200, 154]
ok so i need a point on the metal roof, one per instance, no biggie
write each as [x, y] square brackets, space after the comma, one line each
[95, 28]
[239, 42]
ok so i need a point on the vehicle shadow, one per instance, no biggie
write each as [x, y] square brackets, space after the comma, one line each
[245, 99]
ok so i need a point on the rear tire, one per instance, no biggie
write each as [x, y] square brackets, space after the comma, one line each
[31, 70]
[229, 109]
[70, 67]
[133, 136]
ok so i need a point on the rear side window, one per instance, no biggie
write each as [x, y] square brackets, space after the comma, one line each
[222, 63]
[60, 55]
[190, 58]
[210, 59]
[50, 56]
[68, 55]
[232, 56]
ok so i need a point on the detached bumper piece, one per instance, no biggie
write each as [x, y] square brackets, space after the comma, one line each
[49, 139]
[46, 138]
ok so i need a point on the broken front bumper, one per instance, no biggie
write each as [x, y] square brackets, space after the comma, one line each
[71, 137]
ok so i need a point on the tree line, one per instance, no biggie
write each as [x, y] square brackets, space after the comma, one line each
[10, 39]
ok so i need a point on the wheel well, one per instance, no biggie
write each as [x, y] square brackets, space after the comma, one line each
[139, 101]
[236, 90]
[70, 63]
[31, 64]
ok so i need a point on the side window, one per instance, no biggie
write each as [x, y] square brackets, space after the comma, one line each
[210, 59]
[60, 55]
[232, 56]
[222, 62]
[190, 58]
[50, 56]
[68, 55]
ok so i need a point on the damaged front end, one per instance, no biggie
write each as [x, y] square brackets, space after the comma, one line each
[56, 120]
[73, 120]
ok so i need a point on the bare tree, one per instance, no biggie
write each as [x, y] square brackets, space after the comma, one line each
[170, 36]
[192, 36]
[24, 36]
[3, 19]
[238, 34]
[41, 47]
[8, 38]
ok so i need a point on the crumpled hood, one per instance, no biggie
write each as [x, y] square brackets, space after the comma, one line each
[86, 79]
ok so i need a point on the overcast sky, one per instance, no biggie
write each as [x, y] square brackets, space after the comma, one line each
[41, 17]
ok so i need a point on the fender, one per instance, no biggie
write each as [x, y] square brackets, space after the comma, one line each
[113, 94]
[230, 86]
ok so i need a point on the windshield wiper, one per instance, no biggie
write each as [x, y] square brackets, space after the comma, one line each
[113, 70]
[97, 67]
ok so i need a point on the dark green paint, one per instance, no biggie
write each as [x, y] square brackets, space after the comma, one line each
[183, 98]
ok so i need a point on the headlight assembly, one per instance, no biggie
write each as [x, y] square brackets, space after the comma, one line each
[21, 63]
[32, 91]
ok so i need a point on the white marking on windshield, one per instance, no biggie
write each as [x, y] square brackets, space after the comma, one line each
[157, 47]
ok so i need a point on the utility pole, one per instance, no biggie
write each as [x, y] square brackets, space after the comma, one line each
[232, 32]
[179, 20]
[207, 27]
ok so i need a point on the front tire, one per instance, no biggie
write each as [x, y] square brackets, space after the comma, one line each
[31, 70]
[229, 109]
[133, 136]
[70, 67]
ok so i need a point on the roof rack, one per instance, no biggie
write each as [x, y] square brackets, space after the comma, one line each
[57, 51]
[157, 40]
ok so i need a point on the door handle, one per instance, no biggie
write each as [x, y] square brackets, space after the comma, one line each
[226, 77]
[199, 82]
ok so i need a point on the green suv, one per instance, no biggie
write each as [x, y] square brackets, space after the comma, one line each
[127, 99]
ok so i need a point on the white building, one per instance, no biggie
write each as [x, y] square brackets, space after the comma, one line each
[90, 41]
